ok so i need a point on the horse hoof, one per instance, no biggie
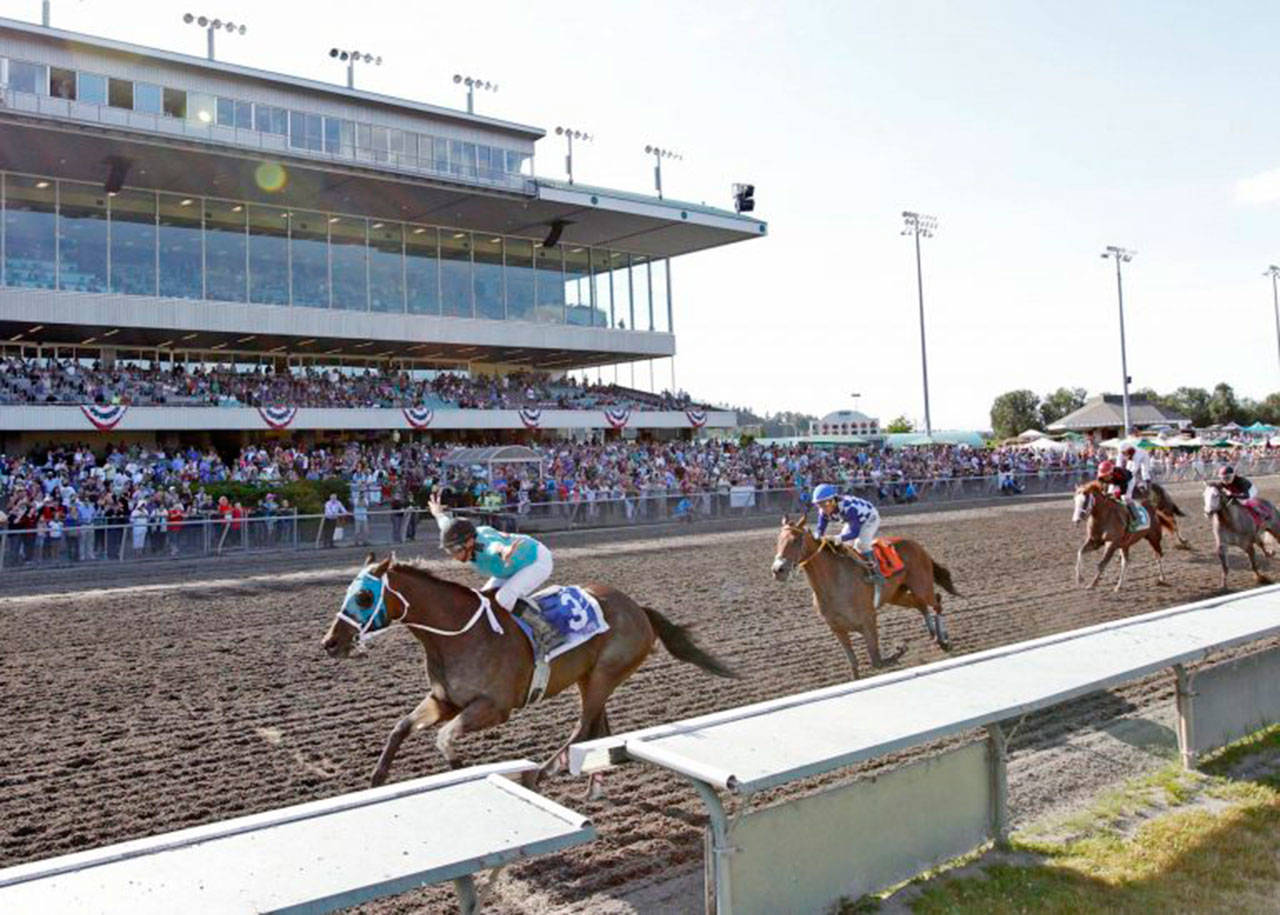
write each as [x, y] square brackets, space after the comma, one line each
[378, 778]
[530, 779]
[1164, 584]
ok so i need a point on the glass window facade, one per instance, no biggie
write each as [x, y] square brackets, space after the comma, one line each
[72, 236]
[92, 88]
[226, 251]
[148, 98]
[120, 93]
[309, 258]
[82, 237]
[268, 255]
[133, 242]
[28, 77]
[455, 274]
[30, 232]
[181, 242]
[349, 261]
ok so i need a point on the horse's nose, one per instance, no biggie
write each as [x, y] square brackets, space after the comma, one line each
[779, 569]
[331, 647]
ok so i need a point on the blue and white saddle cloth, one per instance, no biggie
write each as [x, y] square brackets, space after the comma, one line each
[1139, 519]
[574, 613]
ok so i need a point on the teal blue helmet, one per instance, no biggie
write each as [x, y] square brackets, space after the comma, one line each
[825, 491]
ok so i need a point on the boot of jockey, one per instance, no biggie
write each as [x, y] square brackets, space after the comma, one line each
[861, 521]
[544, 634]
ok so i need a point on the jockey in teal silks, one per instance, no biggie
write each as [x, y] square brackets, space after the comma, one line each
[516, 565]
[861, 522]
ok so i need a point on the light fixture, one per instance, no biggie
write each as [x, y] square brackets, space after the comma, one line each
[212, 26]
[570, 134]
[87, 340]
[350, 58]
[419, 230]
[190, 336]
[186, 202]
[112, 332]
[246, 339]
[306, 341]
[42, 184]
[32, 330]
[332, 220]
[237, 208]
[164, 344]
[376, 225]
[659, 153]
[459, 234]
[473, 83]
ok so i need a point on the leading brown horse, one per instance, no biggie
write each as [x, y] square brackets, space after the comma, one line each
[480, 664]
[1109, 525]
[844, 598]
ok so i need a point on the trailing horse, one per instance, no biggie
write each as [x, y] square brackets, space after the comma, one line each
[1234, 525]
[480, 666]
[1109, 525]
[844, 598]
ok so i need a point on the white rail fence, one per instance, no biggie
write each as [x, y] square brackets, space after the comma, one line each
[801, 855]
[315, 857]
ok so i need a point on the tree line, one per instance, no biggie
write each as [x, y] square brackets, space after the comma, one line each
[1016, 411]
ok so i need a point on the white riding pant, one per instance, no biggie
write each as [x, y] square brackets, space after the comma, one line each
[524, 582]
[866, 534]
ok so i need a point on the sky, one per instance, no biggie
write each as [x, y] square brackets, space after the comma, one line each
[1036, 133]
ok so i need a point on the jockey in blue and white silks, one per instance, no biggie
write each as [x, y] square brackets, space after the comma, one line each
[861, 522]
[517, 565]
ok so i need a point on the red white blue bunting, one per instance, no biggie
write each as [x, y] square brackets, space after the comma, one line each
[618, 417]
[419, 417]
[104, 418]
[697, 418]
[531, 417]
[277, 417]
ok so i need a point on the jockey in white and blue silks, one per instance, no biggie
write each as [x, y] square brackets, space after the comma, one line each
[517, 565]
[861, 522]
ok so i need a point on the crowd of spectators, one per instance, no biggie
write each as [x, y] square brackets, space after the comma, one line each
[69, 381]
[75, 504]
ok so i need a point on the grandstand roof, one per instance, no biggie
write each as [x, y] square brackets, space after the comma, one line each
[1106, 411]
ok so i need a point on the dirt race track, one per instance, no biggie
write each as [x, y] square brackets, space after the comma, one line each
[132, 712]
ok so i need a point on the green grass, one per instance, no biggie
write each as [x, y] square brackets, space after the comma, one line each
[1173, 841]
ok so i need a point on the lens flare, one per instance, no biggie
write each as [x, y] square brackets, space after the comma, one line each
[271, 177]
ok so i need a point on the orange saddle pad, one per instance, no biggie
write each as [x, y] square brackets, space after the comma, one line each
[890, 562]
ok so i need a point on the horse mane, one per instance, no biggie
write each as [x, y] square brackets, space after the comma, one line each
[1094, 486]
[416, 568]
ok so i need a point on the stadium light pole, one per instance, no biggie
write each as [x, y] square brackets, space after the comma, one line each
[1273, 271]
[918, 224]
[350, 58]
[1122, 256]
[211, 26]
[659, 154]
[473, 83]
[570, 135]
[44, 13]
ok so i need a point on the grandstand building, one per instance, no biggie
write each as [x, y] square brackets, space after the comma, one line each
[164, 208]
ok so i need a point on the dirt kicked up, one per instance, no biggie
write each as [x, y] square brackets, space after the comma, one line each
[132, 712]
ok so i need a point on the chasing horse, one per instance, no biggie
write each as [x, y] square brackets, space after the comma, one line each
[1240, 519]
[1138, 463]
[847, 594]
[481, 663]
[1108, 505]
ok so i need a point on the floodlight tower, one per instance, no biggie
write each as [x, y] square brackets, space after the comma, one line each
[211, 26]
[918, 224]
[473, 83]
[1122, 256]
[350, 58]
[570, 135]
[1273, 271]
[659, 154]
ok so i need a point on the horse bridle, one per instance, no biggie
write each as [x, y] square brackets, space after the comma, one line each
[801, 563]
[364, 633]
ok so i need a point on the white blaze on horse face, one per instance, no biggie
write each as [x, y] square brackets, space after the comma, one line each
[1078, 515]
[779, 565]
[1211, 498]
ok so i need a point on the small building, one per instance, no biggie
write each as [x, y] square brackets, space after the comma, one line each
[845, 422]
[1103, 417]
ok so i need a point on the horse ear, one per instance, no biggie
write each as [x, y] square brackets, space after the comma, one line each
[786, 521]
[381, 568]
[368, 560]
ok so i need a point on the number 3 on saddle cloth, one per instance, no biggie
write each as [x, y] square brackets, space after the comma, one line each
[573, 613]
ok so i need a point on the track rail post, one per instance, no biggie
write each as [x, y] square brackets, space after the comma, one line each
[718, 892]
[1186, 721]
[998, 753]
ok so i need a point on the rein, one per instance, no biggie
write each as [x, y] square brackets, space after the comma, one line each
[800, 564]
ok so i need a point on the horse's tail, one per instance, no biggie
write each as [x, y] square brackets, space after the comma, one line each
[942, 576]
[1164, 502]
[680, 643]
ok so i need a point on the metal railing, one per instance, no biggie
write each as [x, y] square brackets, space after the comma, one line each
[157, 538]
